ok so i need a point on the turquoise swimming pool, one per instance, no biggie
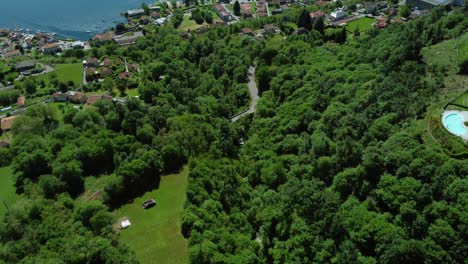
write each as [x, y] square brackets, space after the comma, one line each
[454, 124]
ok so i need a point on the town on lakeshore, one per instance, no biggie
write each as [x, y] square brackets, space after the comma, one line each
[20, 50]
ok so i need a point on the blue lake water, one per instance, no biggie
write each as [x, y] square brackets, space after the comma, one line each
[67, 18]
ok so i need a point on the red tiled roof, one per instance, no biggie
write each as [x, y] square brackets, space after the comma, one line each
[317, 14]
[108, 36]
[105, 72]
[12, 53]
[107, 62]
[50, 46]
[20, 102]
[7, 122]
[92, 99]
[124, 75]
[245, 7]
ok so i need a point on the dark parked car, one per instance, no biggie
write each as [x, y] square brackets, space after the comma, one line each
[149, 203]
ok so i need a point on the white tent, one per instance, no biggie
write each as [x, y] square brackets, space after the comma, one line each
[125, 223]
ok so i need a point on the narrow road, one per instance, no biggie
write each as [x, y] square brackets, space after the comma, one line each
[253, 90]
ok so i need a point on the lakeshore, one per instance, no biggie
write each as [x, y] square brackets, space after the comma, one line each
[79, 20]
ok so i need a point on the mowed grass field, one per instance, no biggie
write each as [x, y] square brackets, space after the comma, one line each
[65, 72]
[7, 190]
[463, 100]
[363, 24]
[155, 234]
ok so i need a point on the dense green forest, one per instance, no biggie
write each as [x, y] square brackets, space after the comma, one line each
[332, 168]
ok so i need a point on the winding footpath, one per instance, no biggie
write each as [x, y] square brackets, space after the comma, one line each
[253, 90]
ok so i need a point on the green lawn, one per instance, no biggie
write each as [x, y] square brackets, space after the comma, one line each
[132, 92]
[155, 233]
[363, 24]
[463, 100]
[65, 72]
[7, 190]
[70, 72]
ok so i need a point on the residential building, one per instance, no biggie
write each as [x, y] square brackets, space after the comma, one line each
[59, 97]
[90, 74]
[135, 12]
[381, 22]
[247, 31]
[51, 48]
[92, 99]
[21, 101]
[128, 40]
[261, 7]
[222, 13]
[277, 11]
[428, 4]
[124, 75]
[11, 54]
[269, 29]
[77, 97]
[105, 37]
[107, 62]
[7, 122]
[154, 8]
[105, 72]
[25, 65]
[78, 45]
[317, 14]
[337, 15]
[132, 67]
[246, 10]
[91, 62]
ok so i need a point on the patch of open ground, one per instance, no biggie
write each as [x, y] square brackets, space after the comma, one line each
[155, 233]
[7, 190]
[363, 24]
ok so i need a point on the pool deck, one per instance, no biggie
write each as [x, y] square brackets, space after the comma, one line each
[463, 114]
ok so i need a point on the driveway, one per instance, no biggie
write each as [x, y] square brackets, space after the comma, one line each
[253, 90]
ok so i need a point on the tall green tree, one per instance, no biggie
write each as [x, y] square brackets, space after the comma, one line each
[236, 8]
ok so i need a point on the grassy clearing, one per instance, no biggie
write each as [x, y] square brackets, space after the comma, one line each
[188, 24]
[7, 190]
[363, 24]
[64, 73]
[70, 72]
[155, 233]
[132, 92]
[463, 46]
[445, 55]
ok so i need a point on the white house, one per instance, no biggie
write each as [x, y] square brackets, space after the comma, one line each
[78, 45]
[337, 15]
[135, 12]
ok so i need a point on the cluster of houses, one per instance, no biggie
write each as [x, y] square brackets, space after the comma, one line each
[129, 38]
[78, 98]
[72, 97]
[14, 43]
[268, 29]
[139, 17]
[95, 70]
